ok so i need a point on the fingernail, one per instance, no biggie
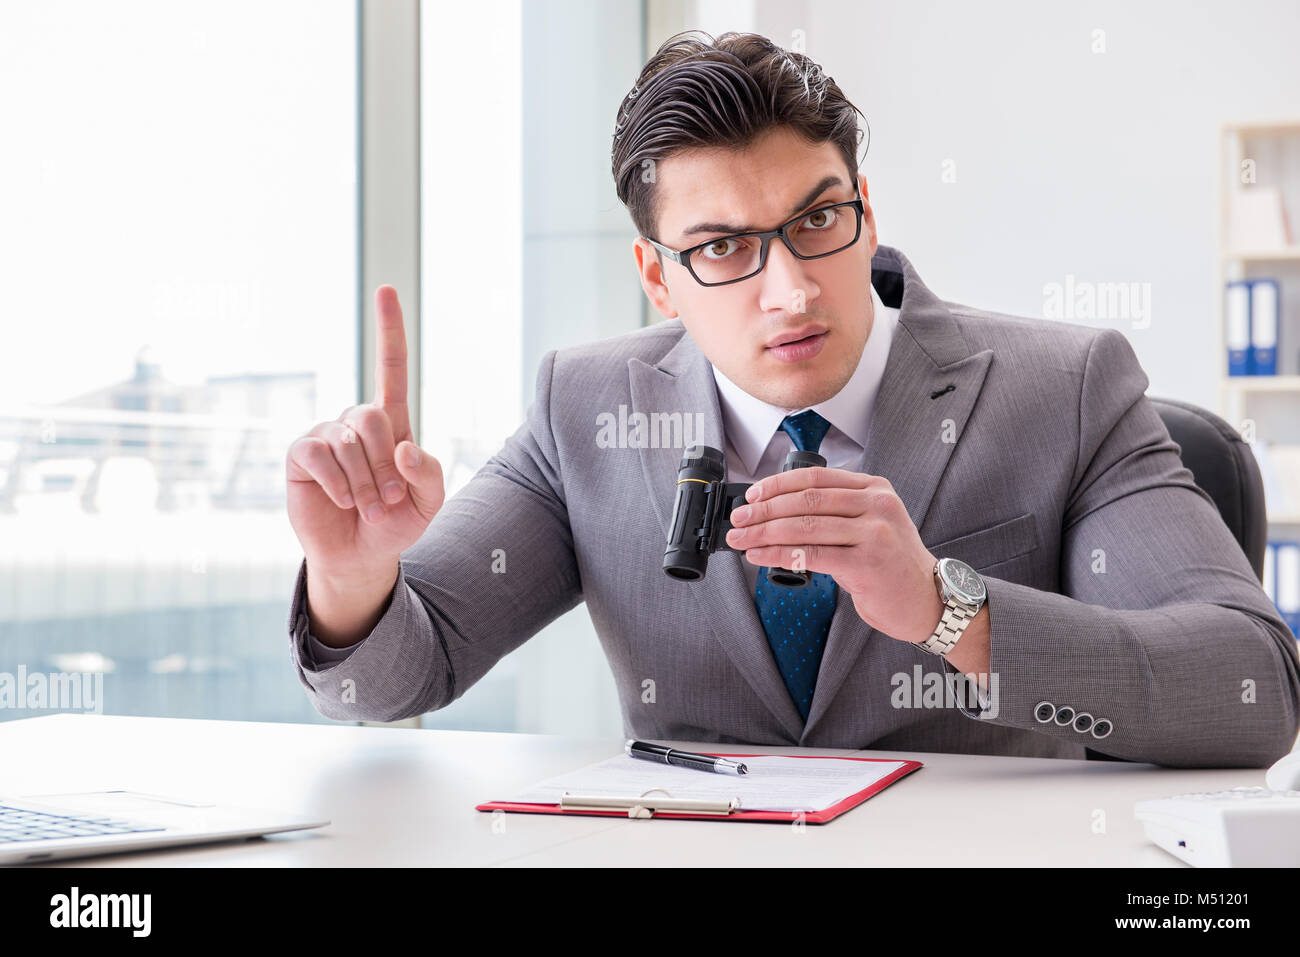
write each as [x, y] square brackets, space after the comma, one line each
[412, 455]
[740, 515]
[392, 492]
[347, 499]
[375, 512]
[753, 494]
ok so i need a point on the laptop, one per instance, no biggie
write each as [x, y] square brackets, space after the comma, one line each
[46, 827]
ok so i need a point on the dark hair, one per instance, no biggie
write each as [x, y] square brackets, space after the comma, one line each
[723, 93]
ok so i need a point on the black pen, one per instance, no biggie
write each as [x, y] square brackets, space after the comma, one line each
[683, 759]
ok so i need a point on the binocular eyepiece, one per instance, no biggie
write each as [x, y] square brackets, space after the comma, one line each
[702, 514]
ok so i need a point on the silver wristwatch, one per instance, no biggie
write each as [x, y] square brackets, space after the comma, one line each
[963, 594]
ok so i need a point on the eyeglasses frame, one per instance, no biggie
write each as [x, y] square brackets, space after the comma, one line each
[683, 257]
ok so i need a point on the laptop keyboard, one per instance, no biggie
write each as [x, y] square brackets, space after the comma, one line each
[20, 824]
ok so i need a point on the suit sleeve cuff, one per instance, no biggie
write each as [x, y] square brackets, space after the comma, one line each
[984, 700]
[314, 655]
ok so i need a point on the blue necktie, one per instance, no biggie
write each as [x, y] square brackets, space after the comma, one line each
[796, 620]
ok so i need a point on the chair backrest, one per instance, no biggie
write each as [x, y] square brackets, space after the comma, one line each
[1224, 467]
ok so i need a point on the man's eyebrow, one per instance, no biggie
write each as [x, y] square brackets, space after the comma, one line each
[826, 183]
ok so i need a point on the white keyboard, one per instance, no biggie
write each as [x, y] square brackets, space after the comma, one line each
[1244, 827]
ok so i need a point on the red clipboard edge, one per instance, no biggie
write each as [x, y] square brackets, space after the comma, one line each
[782, 817]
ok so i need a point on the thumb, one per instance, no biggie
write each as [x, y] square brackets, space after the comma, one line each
[423, 474]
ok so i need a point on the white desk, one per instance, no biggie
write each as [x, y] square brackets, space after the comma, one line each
[406, 797]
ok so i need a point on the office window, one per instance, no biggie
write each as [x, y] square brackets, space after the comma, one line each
[515, 137]
[178, 279]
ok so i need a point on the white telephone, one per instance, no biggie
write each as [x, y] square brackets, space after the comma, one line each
[1244, 827]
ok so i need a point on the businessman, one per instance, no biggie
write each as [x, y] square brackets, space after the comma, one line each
[1002, 509]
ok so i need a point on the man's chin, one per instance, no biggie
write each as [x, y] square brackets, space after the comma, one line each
[793, 385]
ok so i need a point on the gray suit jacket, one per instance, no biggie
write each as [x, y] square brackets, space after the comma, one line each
[1114, 587]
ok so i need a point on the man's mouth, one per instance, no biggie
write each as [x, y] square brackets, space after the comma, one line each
[796, 335]
[797, 346]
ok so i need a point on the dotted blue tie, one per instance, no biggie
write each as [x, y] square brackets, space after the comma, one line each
[796, 620]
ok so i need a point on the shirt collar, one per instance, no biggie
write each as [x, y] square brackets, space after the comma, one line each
[750, 423]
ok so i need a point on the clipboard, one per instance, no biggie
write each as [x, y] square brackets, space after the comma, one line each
[664, 805]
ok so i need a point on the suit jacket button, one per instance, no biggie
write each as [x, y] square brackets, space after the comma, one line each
[1064, 715]
[1043, 711]
[1082, 722]
[1101, 727]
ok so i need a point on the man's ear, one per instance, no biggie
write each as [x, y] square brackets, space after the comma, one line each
[868, 216]
[652, 278]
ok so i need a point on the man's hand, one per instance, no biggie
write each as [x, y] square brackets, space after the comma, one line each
[360, 491]
[853, 527]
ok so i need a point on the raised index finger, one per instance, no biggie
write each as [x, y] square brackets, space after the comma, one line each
[390, 361]
[813, 477]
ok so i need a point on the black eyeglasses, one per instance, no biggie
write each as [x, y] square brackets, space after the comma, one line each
[822, 232]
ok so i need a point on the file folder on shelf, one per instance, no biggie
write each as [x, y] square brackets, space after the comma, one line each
[1270, 573]
[1237, 335]
[1287, 564]
[659, 803]
[1263, 326]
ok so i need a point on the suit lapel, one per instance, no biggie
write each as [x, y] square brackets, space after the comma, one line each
[912, 436]
[683, 382]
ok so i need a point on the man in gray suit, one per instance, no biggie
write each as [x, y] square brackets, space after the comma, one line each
[1007, 555]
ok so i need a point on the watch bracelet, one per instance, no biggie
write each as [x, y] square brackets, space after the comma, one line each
[952, 625]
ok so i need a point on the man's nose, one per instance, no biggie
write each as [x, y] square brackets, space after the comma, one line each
[786, 285]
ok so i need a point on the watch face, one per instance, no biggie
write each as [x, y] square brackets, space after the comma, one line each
[962, 581]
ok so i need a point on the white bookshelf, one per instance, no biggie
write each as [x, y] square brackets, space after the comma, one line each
[1272, 403]
[1281, 254]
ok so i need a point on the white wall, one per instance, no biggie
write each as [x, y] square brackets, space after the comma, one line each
[1103, 166]
[1100, 165]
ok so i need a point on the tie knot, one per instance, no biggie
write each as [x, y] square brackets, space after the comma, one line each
[807, 429]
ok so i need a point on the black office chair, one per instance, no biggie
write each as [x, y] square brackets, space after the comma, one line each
[1223, 466]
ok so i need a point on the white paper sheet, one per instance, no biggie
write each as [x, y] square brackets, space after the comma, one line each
[774, 783]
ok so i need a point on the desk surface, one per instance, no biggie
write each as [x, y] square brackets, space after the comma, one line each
[406, 797]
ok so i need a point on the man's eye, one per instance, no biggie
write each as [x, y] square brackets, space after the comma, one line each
[720, 249]
[820, 219]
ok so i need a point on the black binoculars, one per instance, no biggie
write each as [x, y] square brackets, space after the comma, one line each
[702, 514]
